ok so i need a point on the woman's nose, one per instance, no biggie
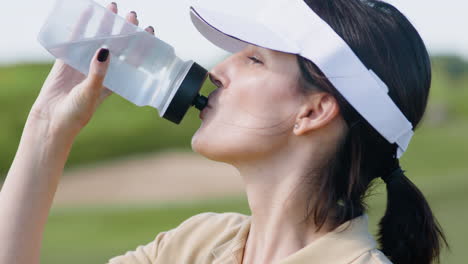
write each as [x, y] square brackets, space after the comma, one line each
[219, 74]
[215, 80]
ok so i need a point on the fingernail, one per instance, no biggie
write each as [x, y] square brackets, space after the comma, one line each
[133, 12]
[114, 3]
[103, 55]
[152, 28]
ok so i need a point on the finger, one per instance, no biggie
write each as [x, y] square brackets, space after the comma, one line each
[150, 30]
[80, 27]
[107, 22]
[113, 7]
[127, 28]
[144, 48]
[97, 73]
[132, 18]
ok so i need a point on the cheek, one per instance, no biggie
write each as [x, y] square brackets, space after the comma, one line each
[251, 118]
[259, 101]
[266, 101]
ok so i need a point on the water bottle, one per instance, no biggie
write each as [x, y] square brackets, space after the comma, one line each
[143, 69]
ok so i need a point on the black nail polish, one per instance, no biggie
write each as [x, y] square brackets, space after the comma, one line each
[114, 3]
[133, 12]
[152, 28]
[103, 55]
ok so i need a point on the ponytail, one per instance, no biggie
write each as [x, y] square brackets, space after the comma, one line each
[408, 232]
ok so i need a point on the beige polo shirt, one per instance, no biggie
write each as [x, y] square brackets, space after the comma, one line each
[215, 238]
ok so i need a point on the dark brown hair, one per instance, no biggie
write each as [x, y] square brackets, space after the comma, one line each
[387, 43]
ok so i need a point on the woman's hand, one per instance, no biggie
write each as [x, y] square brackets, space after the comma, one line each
[68, 99]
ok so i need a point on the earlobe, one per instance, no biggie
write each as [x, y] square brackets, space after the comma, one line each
[316, 113]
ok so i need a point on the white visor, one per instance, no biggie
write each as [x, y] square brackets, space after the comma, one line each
[291, 26]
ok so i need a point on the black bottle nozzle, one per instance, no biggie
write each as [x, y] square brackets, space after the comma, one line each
[200, 102]
[188, 94]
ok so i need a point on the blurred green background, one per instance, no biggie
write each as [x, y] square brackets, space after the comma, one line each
[436, 161]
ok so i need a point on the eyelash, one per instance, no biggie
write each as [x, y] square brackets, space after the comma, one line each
[255, 60]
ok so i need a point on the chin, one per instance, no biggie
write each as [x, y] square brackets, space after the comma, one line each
[215, 146]
[230, 146]
[206, 146]
[197, 142]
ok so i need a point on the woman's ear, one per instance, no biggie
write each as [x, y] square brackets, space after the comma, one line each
[318, 110]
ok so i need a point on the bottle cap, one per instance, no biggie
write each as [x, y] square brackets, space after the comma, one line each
[188, 94]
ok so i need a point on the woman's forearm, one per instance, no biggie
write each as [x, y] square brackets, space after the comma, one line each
[28, 191]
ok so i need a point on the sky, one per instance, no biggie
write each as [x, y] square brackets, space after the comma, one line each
[442, 25]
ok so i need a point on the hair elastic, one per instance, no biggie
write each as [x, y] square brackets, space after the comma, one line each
[398, 172]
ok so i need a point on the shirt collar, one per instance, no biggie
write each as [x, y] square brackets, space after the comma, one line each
[342, 245]
[232, 250]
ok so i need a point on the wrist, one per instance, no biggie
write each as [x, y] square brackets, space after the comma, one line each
[45, 132]
[51, 125]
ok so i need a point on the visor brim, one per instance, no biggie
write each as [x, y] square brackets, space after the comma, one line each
[233, 32]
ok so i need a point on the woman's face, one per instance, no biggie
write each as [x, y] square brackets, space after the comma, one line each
[252, 112]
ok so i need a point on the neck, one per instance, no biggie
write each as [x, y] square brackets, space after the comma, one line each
[277, 197]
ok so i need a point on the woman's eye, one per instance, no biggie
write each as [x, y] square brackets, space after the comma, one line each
[255, 60]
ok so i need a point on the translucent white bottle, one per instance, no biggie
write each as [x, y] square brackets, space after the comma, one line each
[143, 69]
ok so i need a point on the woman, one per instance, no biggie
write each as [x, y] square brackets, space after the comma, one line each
[308, 148]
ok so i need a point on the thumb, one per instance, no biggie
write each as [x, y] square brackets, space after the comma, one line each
[97, 73]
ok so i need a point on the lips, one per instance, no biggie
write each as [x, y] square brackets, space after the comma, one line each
[208, 106]
[203, 112]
